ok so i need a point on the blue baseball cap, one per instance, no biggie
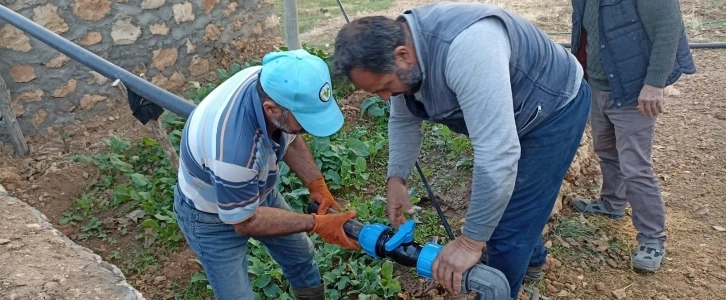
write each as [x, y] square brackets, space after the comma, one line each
[300, 82]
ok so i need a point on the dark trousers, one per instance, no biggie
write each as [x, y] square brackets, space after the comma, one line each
[546, 155]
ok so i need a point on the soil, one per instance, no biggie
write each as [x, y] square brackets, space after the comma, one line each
[689, 157]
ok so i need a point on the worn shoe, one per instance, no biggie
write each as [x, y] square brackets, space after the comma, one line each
[596, 207]
[533, 273]
[648, 257]
[312, 293]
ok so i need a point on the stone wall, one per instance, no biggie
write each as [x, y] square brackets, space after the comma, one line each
[171, 41]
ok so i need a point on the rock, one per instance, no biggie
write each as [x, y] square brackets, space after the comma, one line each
[91, 10]
[14, 39]
[14, 246]
[124, 32]
[33, 96]
[600, 286]
[213, 33]
[719, 228]
[159, 29]
[4, 241]
[551, 289]
[619, 294]
[190, 47]
[89, 101]
[571, 286]
[47, 16]
[183, 12]
[558, 285]
[33, 226]
[231, 7]
[209, 5]
[152, 4]
[612, 263]
[14, 296]
[22, 73]
[91, 38]
[18, 109]
[50, 285]
[198, 66]
[563, 293]
[177, 80]
[691, 272]
[273, 22]
[661, 297]
[38, 117]
[548, 244]
[159, 279]
[64, 90]
[10, 176]
[97, 78]
[164, 58]
[58, 61]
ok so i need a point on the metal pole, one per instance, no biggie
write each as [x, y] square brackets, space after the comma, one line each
[145, 89]
[713, 45]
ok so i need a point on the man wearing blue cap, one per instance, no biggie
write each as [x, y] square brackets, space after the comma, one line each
[228, 170]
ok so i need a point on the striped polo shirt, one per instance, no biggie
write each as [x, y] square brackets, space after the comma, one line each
[227, 161]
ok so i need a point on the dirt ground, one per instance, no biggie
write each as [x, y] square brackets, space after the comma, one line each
[689, 156]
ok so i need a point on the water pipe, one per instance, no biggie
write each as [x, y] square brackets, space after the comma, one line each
[379, 241]
[113, 72]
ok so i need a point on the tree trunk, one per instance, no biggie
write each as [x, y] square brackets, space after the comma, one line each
[292, 31]
[6, 111]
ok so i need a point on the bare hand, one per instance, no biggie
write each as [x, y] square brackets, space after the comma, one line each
[397, 202]
[457, 256]
[650, 101]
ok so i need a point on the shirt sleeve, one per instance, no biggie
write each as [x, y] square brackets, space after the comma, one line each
[404, 139]
[236, 188]
[664, 25]
[478, 72]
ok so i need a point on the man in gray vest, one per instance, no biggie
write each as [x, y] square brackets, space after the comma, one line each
[631, 50]
[491, 75]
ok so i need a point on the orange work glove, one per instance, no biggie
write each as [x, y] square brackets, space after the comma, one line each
[319, 193]
[330, 228]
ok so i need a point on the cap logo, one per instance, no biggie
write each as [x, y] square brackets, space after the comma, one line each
[325, 92]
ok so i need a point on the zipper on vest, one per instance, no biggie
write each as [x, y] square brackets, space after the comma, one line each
[536, 114]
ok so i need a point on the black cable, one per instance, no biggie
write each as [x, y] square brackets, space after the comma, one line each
[345, 15]
[436, 203]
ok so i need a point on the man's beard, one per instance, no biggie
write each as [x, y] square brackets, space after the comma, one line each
[281, 123]
[410, 78]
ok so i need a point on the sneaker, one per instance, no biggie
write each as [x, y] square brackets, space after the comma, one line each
[648, 257]
[596, 207]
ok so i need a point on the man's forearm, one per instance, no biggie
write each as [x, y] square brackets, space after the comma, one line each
[404, 140]
[300, 160]
[271, 222]
[664, 25]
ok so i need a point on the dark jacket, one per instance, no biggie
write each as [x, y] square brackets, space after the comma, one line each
[624, 48]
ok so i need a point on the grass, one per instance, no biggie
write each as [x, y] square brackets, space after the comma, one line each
[312, 11]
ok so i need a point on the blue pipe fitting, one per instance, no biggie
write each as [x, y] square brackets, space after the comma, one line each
[368, 238]
[426, 258]
[403, 236]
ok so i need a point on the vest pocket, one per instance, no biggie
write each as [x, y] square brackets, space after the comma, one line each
[532, 118]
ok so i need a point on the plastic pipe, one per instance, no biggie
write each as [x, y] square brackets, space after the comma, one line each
[142, 87]
[379, 241]
[714, 45]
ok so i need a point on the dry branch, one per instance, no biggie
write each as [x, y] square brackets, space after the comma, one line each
[6, 111]
[159, 132]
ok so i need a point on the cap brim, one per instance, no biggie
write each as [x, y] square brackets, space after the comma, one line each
[324, 123]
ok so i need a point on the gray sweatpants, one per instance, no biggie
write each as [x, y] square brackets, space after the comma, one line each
[623, 139]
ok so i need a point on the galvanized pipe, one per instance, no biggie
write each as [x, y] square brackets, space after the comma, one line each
[140, 86]
[714, 45]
